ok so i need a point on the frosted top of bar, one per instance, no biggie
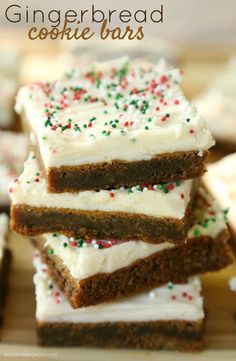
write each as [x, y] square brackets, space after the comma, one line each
[217, 104]
[120, 109]
[13, 152]
[221, 182]
[169, 302]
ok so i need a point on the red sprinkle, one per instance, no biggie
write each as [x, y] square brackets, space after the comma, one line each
[176, 102]
[182, 196]
[173, 297]
[163, 79]
[171, 187]
[112, 195]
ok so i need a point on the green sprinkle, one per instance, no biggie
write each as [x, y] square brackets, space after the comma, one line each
[65, 244]
[170, 286]
[80, 243]
[205, 224]
[196, 232]
[54, 235]
[146, 127]
[177, 183]
[50, 251]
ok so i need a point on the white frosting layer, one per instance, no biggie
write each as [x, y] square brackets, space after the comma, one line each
[13, 152]
[208, 217]
[86, 257]
[116, 110]
[170, 302]
[218, 107]
[4, 227]
[154, 203]
[89, 260]
[221, 182]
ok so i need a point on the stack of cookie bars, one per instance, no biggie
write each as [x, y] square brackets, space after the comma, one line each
[111, 199]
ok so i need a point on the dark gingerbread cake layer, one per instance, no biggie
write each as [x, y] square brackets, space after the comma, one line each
[163, 168]
[170, 335]
[199, 255]
[33, 221]
[4, 273]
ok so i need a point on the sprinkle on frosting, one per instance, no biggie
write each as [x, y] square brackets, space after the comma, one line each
[117, 101]
[208, 217]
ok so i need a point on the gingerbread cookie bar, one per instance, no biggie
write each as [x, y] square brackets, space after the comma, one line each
[221, 182]
[9, 63]
[13, 152]
[152, 213]
[169, 317]
[91, 271]
[114, 124]
[217, 105]
[5, 260]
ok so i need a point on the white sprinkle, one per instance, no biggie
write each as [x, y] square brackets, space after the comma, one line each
[145, 189]
[152, 294]
[96, 246]
[94, 241]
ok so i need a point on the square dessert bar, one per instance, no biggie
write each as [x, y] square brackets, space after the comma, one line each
[5, 260]
[169, 317]
[217, 105]
[9, 78]
[91, 271]
[13, 153]
[221, 182]
[152, 213]
[114, 124]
